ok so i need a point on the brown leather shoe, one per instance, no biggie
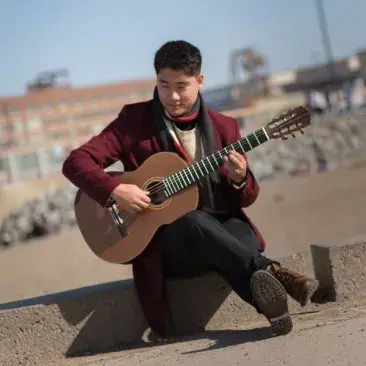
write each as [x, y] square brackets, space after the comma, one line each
[300, 287]
[270, 299]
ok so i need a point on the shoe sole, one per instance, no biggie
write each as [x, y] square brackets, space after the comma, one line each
[271, 299]
[309, 293]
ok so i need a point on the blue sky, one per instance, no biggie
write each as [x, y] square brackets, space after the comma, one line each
[111, 40]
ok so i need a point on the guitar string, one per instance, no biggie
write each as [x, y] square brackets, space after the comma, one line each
[161, 186]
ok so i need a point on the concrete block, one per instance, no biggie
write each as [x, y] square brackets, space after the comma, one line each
[341, 269]
[108, 317]
[194, 302]
[70, 323]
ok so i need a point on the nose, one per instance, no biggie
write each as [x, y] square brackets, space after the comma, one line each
[175, 96]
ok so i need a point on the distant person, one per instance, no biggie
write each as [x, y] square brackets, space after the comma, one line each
[320, 157]
[217, 236]
[317, 102]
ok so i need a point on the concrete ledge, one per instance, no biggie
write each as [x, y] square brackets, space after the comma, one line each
[102, 318]
[341, 269]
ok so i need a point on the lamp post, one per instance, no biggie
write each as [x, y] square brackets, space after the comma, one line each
[322, 19]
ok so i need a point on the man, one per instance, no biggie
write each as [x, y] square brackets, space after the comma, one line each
[218, 236]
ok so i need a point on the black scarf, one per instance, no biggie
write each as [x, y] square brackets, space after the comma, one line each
[203, 123]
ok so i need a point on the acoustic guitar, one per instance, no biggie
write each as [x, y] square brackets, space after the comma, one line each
[118, 236]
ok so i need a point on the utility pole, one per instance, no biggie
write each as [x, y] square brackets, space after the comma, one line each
[322, 19]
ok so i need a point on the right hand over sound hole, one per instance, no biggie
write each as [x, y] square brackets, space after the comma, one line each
[157, 192]
[131, 198]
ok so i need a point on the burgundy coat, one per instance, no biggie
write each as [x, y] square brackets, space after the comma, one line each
[132, 138]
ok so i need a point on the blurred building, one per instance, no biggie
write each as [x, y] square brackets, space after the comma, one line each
[330, 76]
[38, 129]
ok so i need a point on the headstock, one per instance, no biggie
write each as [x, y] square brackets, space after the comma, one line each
[287, 123]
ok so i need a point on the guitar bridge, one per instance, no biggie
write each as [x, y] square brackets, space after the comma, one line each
[118, 221]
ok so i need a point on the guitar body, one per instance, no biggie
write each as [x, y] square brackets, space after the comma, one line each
[100, 231]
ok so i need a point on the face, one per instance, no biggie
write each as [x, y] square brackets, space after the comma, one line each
[178, 91]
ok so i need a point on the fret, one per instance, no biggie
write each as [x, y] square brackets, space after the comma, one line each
[182, 177]
[256, 138]
[185, 173]
[177, 182]
[249, 142]
[174, 183]
[241, 146]
[189, 171]
[212, 168]
[262, 136]
[193, 166]
[199, 168]
[193, 173]
[265, 132]
[253, 141]
[204, 165]
[166, 187]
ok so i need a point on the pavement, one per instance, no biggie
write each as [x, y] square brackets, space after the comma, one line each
[334, 334]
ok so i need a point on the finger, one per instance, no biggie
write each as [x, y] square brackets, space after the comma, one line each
[136, 207]
[227, 165]
[234, 160]
[145, 198]
[142, 204]
[235, 153]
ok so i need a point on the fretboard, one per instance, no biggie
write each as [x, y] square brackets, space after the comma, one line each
[190, 175]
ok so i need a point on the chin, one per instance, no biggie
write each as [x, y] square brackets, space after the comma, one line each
[177, 112]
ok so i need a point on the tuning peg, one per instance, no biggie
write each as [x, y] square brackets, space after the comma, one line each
[293, 135]
[301, 131]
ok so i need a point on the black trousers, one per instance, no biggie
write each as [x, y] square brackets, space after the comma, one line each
[198, 243]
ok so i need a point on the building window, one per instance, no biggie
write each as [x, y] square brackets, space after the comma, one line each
[4, 164]
[27, 162]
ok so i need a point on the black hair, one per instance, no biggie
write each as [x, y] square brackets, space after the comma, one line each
[178, 55]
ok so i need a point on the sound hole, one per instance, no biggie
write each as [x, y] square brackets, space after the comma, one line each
[156, 190]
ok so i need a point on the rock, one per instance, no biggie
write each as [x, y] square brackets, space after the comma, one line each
[326, 143]
[47, 214]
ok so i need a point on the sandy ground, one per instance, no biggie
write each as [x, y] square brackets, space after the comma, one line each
[334, 335]
[291, 213]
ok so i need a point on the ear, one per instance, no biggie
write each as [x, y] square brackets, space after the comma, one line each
[201, 80]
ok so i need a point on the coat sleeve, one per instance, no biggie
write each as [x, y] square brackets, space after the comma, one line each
[84, 167]
[248, 192]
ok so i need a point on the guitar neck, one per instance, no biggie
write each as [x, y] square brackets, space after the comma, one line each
[190, 175]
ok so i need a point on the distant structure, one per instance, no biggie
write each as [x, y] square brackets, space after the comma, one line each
[49, 79]
[249, 75]
[39, 128]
